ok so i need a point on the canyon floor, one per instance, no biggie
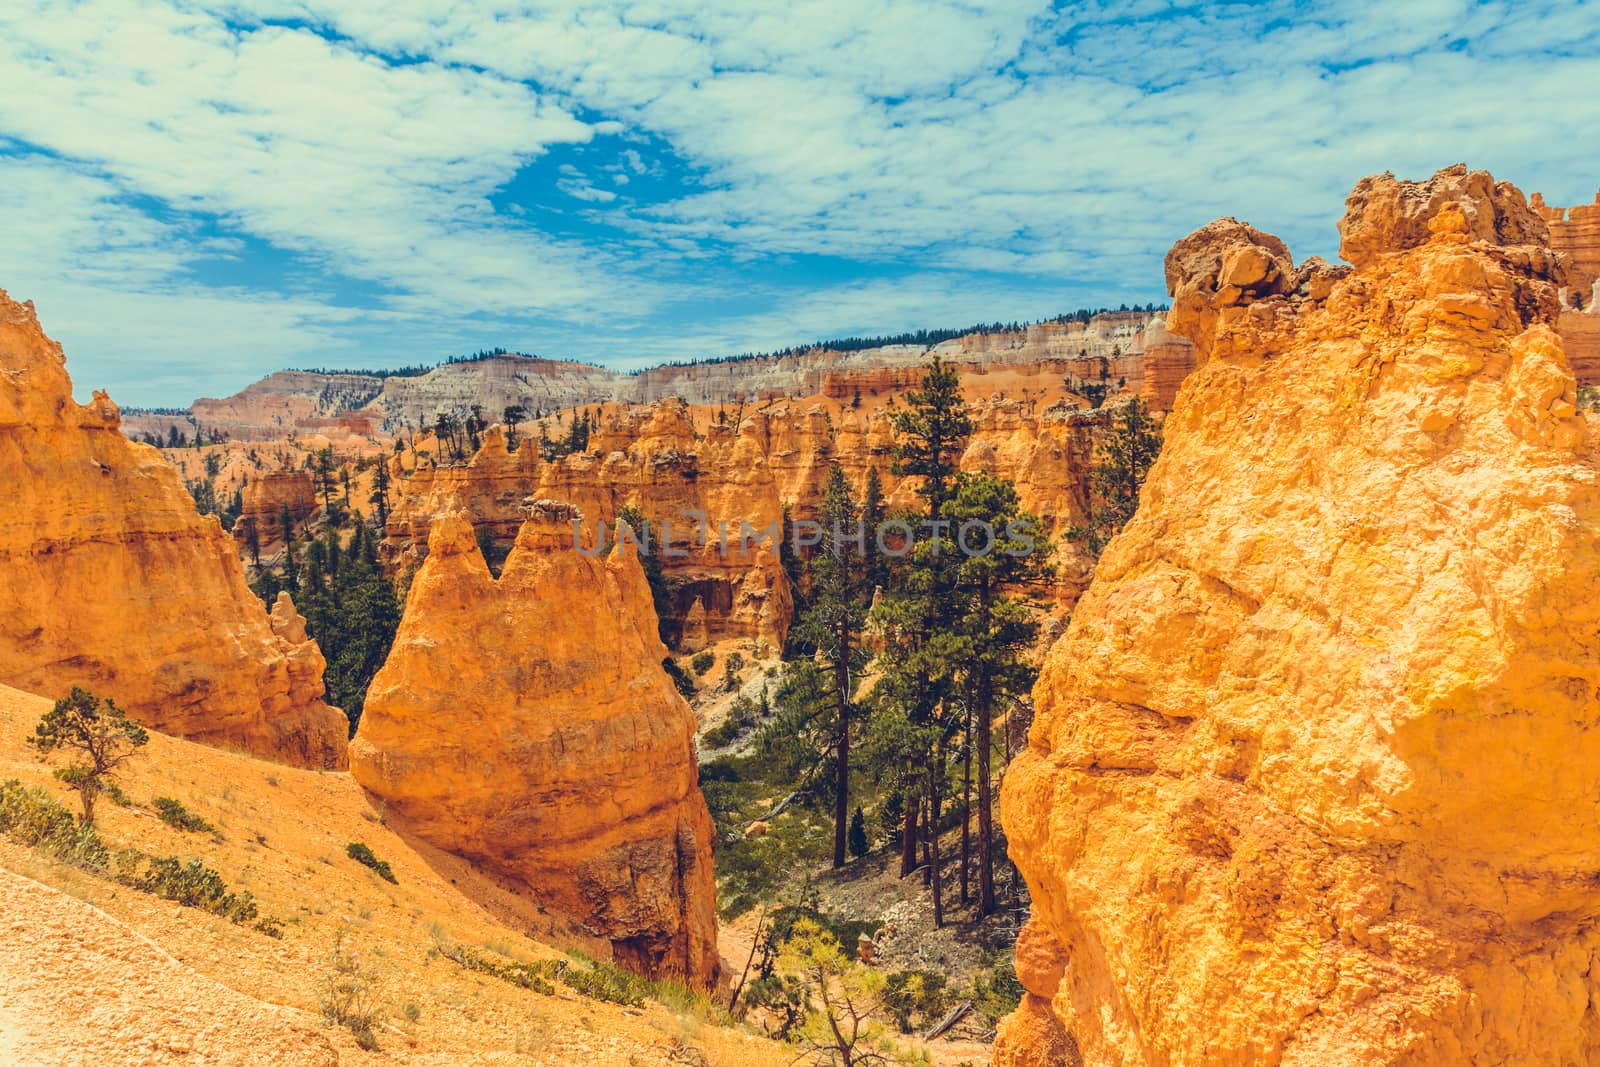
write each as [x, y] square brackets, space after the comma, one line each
[91, 966]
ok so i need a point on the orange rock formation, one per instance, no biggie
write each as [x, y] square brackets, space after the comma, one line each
[267, 494]
[1575, 232]
[111, 581]
[1313, 771]
[525, 723]
[655, 458]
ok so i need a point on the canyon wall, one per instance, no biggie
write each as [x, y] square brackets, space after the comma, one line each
[657, 459]
[109, 579]
[265, 496]
[525, 723]
[1109, 348]
[1575, 232]
[1312, 775]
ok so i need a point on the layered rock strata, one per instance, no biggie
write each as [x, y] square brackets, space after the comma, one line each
[525, 723]
[1313, 770]
[110, 580]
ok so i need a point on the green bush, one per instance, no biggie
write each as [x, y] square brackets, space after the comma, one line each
[702, 662]
[363, 855]
[175, 815]
[602, 981]
[680, 678]
[534, 976]
[32, 817]
[998, 993]
[192, 884]
[914, 997]
[742, 717]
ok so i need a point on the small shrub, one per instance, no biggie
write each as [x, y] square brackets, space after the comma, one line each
[175, 815]
[998, 993]
[742, 718]
[363, 855]
[603, 981]
[680, 678]
[411, 1012]
[913, 997]
[702, 662]
[534, 976]
[32, 817]
[271, 927]
[347, 994]
[191, 884]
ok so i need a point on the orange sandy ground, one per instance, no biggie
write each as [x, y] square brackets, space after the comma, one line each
[144, 981]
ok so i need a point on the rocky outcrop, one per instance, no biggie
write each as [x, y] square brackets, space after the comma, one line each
[1575, 233]
[111, 581]
[525, 723]
[265, 497]
[1312, 773]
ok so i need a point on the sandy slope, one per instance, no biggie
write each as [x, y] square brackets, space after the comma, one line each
[81, 987]
[138, 979]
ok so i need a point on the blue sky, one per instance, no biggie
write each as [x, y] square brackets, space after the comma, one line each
[196, 193]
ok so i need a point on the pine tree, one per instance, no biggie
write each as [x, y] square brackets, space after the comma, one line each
[858, 834]
[352, 611]
[1122, 461]
[252, 541]
[999, 551]
[832, 624]
[916, 617]
[872, 515]
[380, 492]
[100, 730]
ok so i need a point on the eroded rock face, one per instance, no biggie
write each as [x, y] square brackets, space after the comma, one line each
[267, 495]
[1313, 770]
[111, 581]
[527, 725]
[743, 475]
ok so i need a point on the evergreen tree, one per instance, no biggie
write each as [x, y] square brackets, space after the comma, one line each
[352, 611]
[98, 729]
[858, 834]
[380, 492]
[323, 469]
[999, 551]
[917, 616]
[252, 541]
[512, 415]
[1121, 463]
[832, 623]
[873, 514]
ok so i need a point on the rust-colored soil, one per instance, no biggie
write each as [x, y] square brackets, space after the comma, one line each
[95, 973]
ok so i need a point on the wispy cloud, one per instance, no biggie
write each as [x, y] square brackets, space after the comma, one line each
[720, 174]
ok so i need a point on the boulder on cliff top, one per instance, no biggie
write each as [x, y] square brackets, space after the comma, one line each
[1312, 774]
[526, 724]
[110, 580]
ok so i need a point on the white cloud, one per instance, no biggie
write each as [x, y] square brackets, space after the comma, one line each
[1001, 151]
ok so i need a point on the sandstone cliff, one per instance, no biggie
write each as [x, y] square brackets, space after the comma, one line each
[111, 581]
[1575, 233]
[266, 495]
[1109, 347]
[1313, 771]
[525, 723]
